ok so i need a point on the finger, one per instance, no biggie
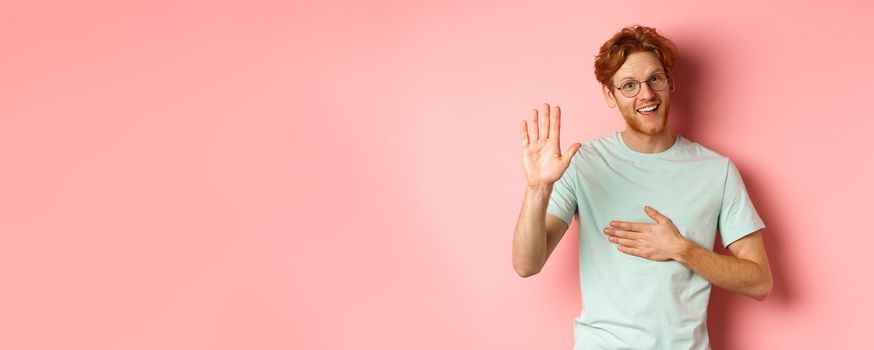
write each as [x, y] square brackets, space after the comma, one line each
[630, 226]
[535, 127]
[622, 233]
[631, 251]
[544, 123]
[571, 151]
[655, 215]
[624, 241]
[555, 125]
[524, 130]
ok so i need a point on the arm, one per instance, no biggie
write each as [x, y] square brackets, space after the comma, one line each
[537, 233]
[747, 272]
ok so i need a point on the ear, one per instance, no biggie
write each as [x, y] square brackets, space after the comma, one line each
[608, 95]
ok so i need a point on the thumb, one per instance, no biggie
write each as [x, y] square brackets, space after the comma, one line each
[658, 217]
[571, 151]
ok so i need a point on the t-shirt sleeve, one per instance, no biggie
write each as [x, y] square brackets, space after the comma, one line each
[563, 200]
[738, 216]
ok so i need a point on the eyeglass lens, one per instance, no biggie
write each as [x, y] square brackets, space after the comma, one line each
[656, 82]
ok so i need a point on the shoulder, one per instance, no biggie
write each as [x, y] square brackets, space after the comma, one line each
[717, 164]
[590, 154]
[700, 150]
[694, 150]
[597, 147]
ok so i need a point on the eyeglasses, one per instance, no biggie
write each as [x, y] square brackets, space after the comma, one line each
[631, 87]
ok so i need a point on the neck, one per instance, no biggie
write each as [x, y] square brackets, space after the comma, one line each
[645, 143]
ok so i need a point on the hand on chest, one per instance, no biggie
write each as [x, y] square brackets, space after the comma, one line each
[690, 199]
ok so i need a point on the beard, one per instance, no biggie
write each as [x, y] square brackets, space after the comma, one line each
[645, 125]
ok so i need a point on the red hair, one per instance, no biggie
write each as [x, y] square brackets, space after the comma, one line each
[630, 40]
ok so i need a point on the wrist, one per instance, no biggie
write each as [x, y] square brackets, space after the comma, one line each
[685, 248]
[547, 188]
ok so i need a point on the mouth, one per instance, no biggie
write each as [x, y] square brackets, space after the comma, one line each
[649, 110]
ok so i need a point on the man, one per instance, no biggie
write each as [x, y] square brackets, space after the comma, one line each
[648, 203]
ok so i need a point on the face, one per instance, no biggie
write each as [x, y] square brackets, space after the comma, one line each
[640, 66]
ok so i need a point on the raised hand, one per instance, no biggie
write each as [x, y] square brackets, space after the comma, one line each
[541, 152]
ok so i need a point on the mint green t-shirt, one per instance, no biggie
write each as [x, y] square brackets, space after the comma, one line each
[631, 302]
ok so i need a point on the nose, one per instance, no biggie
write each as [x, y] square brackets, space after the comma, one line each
[645, 92]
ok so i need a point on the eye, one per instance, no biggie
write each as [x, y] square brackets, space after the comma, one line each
[655, 78]
[628, 85]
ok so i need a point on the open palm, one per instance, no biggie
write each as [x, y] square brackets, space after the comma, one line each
[541, 152]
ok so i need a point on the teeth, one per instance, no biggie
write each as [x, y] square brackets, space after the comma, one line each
[647, 109]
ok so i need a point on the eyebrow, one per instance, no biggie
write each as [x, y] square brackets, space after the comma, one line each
[650, 75]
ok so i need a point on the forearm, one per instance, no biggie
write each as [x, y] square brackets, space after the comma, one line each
[529, 237]
[738, 275]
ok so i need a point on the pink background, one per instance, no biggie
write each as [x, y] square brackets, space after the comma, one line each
[338, 175]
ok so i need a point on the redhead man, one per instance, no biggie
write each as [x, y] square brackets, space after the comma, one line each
[648, 203]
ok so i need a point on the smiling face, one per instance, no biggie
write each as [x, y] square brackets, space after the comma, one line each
[641, 66]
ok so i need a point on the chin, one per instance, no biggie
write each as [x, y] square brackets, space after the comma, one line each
[651, 131]
[651, 128]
